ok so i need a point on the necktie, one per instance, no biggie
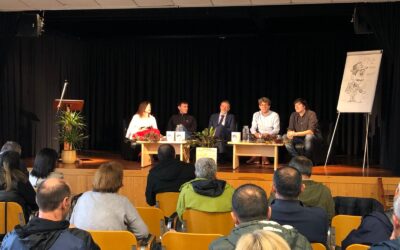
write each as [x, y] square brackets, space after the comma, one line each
[221, 119]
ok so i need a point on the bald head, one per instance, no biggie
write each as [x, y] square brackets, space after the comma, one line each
[287, 182]
[51, 193]
[249, 202]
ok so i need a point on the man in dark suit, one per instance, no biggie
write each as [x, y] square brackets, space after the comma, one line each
[287, 209]
[224, 123]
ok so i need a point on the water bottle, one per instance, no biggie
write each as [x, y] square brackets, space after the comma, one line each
[246, 134]
[179, 128]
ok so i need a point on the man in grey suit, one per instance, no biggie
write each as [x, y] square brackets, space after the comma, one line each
[224, 123]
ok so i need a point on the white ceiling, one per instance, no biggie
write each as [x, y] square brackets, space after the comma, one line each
[27, 5]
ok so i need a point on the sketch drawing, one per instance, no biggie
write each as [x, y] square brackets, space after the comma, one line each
[356, 84]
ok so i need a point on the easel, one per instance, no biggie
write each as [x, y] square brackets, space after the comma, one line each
[365, 158]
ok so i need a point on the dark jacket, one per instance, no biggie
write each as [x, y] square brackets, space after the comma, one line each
[295, 240]
[167, 176]
[23, 194]
[387, 245]
[223, 131]
[188, 121]
[375, 227]
[312, 222]
[44, 234]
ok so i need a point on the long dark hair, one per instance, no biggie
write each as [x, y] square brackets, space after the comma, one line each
[10, 172]
[45, 162]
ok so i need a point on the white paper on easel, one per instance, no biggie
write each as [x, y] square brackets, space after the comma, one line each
[359, 81]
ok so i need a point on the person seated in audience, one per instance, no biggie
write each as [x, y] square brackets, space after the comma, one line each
[303, 129]
[14, 146]
[14, 184]
[315, 194]
[393, 241]
[50, 230]
[224, 124]
[168, 174]
[261, 240]
[264, 125]
[287, 209]
[250, 212]
[104, 209]
[141, 121]
[43, 167]
[188, 122]
[205, 193]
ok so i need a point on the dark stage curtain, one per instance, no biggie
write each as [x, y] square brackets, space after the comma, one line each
[113, 75]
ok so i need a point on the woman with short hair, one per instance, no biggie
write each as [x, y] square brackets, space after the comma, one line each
[104, 209]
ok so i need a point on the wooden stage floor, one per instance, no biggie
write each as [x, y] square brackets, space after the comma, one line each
[343, 180]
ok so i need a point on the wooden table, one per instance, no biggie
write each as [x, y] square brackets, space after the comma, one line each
[150, 148]
[255, 149]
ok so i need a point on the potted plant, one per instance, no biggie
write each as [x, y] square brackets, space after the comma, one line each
[71, 132]
[205, 143]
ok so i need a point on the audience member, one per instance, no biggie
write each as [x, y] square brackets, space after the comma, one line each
[224, 124]
[394, 241]
[250, 212]
[312, 222]
[43, 167]
[205, 193]
[168, 175]
[182, 118]
[50, 230]
[265, 124]
[104, 209]
[14, 184]
[303, 129]
[262, 240]
[14, 146]
[315, 194]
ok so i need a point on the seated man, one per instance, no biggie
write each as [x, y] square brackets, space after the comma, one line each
[205, 193]
[250, 212]
[224, 123]
[168, 175]
[50, 230]
[315, 194]
[265, 124]
[188, 122]
[303, 129]
[312, 222]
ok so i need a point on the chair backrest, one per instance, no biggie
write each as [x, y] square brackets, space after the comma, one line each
[207, 222]
[343, 225]
[110, 240]
[154, 219]
[318, 246]
[167, 202]
[11, 214]
[177, 240]
[358, 247]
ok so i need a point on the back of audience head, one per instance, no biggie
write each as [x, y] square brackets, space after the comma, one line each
[53, 194]
[249, 202]
[287, 183]
[11, 146]
[10, 171]
[262, 240]
[302, 164]
[166, 152]
[108, 178]
[205, 168]
[45, 162]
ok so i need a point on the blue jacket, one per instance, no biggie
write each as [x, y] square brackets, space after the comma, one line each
[45, 234]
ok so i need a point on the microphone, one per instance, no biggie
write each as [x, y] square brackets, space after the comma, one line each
[62, 94]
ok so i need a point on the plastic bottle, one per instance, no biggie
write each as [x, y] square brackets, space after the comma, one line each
[246, 134]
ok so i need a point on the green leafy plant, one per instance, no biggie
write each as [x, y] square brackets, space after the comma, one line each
[205, 138]
[71, 129]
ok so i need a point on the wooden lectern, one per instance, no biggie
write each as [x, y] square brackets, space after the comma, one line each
[68, 104]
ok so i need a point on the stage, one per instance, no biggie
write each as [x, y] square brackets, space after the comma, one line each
[343, 180]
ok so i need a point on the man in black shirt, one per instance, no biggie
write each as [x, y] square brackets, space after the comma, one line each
[303, 129]
[187, 121]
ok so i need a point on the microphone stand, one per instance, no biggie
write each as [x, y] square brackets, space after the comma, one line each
[62, 95]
